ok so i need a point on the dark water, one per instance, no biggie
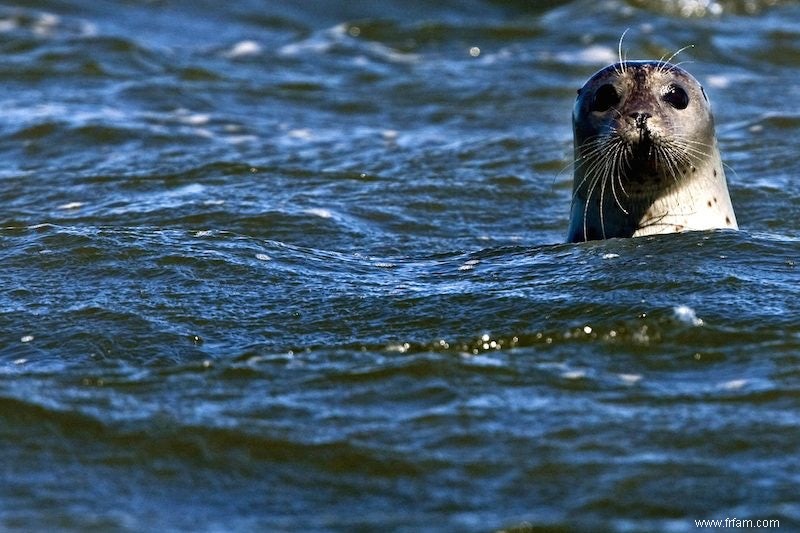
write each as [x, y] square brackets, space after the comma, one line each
[278, 266]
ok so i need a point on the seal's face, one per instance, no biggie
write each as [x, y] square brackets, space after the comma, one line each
[639, 128]
[646, 156]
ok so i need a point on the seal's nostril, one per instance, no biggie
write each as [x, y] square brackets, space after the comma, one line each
[640, 118]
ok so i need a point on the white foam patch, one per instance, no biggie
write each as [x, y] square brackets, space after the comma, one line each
[71, 206]
[469, 265]
[240, 139]
[591, 55]
[188, 190]
[196, 119]
[324, 41]
[400, 348]
[685, 314]
[244, 49]
[734, 384]
[320, 212]
[718, 81]
[301, 133]
[46, 25]
[698, 8]
[599, 54]
[630, 379]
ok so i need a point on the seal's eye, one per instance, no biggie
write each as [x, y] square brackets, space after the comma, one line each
[676, 97]
[605, 98]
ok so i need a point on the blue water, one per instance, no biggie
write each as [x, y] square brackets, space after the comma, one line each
[288, 266]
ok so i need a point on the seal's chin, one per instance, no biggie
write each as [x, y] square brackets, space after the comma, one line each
[642, 163]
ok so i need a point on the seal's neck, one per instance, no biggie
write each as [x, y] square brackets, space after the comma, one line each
[699, 200]
[696, 204]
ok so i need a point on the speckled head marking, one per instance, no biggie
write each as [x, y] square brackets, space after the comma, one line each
[646, 156]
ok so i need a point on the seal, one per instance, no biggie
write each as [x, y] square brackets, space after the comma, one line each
[646, 155]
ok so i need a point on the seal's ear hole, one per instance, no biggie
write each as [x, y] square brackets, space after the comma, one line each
[605, 98]
[704, 94]
[676, 97]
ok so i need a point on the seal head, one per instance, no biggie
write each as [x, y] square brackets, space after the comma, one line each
[646, 155]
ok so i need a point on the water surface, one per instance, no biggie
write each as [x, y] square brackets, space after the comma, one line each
[281, 266]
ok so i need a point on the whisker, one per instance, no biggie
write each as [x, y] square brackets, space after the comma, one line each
[669, 60]
[622, 59]
[616, 176]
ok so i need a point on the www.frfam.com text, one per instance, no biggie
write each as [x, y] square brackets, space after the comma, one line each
[737, 523]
